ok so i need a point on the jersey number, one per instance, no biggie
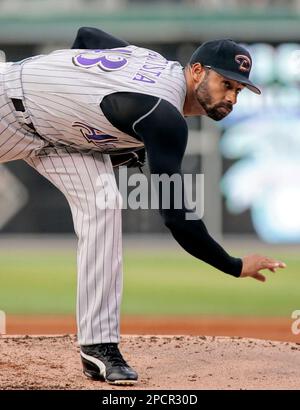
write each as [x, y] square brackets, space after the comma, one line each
[106, 60]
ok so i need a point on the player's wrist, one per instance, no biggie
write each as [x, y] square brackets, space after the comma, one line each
[236, 267]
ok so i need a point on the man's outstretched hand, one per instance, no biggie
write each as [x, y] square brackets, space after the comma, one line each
[253, 264]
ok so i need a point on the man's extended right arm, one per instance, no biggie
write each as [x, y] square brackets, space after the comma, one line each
[164, 132]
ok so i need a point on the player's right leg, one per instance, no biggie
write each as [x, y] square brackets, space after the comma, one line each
[80, 177]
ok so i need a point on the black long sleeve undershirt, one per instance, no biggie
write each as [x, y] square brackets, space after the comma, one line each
[93, 38]
[164, 133]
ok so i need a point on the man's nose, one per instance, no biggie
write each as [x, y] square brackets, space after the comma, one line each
[231, 97]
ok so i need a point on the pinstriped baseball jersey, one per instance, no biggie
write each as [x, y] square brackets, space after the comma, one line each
[62, 92]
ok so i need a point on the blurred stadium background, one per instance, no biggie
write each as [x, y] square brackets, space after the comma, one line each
[250, 163]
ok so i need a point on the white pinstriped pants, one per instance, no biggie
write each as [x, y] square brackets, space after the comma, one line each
[99, 231]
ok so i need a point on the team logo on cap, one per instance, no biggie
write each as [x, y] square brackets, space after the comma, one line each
[244, 62]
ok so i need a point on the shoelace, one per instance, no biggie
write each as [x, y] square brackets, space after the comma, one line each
[113, 355]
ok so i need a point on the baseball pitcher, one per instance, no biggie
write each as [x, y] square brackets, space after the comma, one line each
[73, 114]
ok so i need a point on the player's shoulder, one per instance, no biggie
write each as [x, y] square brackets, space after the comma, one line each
[152, 54]
[169, 115]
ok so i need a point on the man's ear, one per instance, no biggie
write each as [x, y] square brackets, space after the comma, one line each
[197, 72]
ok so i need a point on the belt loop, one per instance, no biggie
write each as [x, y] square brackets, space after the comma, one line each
[18, 104]
[21, 114]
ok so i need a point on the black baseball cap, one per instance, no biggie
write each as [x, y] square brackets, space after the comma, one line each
[228, 59]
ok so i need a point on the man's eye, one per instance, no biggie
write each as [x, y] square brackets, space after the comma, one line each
[227, 85]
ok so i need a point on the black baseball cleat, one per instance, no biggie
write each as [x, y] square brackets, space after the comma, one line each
[105, 362]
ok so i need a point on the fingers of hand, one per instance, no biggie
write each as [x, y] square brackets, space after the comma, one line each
[259, 276]
[282, 265]
[267, 264]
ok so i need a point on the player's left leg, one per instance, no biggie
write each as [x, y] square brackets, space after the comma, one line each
[87, 180]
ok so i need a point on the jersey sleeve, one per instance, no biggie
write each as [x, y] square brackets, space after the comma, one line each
[164, 132]
[93, 38]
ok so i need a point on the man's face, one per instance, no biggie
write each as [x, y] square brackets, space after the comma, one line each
[217, 94]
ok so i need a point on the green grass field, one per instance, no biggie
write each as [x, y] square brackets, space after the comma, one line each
[168, 283]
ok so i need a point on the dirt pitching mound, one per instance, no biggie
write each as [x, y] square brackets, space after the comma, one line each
[163, 362]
